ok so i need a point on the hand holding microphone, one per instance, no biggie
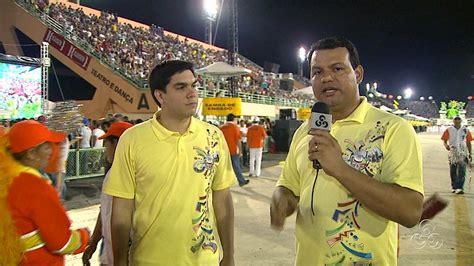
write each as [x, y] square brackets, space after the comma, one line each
[323, 149]
[322, 120]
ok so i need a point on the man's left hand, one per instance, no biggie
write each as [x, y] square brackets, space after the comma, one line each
[325, 148]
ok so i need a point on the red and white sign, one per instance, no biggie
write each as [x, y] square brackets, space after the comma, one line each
[66, 48]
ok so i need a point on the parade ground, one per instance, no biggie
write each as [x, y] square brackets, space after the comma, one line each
[448, 239]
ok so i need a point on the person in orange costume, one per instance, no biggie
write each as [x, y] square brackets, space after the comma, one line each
[35, 229]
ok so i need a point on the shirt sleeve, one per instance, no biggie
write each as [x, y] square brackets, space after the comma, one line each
[445, 135]
[224, 176]
[402, 162]
[38, 201]
[290, 176]
[122, 182]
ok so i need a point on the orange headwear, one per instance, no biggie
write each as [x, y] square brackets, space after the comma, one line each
[116, 129]
[27, 134]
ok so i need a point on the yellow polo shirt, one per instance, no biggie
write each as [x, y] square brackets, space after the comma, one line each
[171, 177]
[342, 231]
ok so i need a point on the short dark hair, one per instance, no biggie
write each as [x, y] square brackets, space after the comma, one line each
[161, 75]
[230, 117]
[333, 43]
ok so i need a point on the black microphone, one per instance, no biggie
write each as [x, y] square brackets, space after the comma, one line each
[320, 119]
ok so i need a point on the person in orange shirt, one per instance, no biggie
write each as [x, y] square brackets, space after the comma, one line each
[256, 134]
[34, 228]
[233, 136]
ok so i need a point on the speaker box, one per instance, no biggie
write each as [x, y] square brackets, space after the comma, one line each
[286, 85]
[271, 67]
[283, 133]
[288, 114]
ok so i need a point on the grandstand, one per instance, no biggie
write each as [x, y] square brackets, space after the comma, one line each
[119, 53]
[470, 109]
[427, 109]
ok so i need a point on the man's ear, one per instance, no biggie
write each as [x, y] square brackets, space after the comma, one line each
[359, 73]
[159, 96]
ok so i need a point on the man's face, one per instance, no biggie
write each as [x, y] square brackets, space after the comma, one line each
[181, 97]
[110, 146]
[457, 122]
[333, 79]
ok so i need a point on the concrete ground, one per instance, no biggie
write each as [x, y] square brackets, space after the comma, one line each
[448, 239]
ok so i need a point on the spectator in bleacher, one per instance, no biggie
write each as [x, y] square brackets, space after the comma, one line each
[457, 141]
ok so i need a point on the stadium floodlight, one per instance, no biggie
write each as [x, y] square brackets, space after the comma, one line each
[302, 54]
[399, 97]
[210, 12]
[407, 93]
[422, 98]
[210, 8]
[301, 57]
[430, 98]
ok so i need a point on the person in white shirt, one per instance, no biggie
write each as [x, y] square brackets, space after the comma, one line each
[96, 133]
[457, 140]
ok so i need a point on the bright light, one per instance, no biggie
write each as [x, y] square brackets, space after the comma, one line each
[430, 98]
[302, 54]
[367, 86]
[422, 98]
[407, 93]
[210, 7]
[375, 85]
[399, 97]
[470, 98]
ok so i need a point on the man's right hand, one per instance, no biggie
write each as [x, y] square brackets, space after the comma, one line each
[283, 204]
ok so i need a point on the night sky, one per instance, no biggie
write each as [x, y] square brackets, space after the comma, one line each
[425, 45]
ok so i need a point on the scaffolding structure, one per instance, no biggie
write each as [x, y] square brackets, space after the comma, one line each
[45, 64]
[233, 41]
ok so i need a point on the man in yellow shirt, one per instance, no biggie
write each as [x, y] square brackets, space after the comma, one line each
[170, 182]
[371, 176]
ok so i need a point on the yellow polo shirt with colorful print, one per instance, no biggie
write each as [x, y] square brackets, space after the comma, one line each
[342, 231]
[171, 177]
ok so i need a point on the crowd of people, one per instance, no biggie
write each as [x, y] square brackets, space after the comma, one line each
[426, 109]
[133, 51]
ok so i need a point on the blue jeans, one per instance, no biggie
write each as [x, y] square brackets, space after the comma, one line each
[237, 170]
[458, 175]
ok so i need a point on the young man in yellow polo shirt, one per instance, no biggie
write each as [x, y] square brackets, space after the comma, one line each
[170, 182]
[371, 176]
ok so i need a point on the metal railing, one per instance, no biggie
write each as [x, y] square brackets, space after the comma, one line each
[84, 163]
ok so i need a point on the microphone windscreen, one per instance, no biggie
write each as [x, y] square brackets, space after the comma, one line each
[320, 107]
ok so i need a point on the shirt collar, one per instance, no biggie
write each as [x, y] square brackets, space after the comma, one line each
[358, 115]
[163, 133]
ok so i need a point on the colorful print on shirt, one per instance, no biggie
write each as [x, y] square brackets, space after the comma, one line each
[206, 161]
[366, 156]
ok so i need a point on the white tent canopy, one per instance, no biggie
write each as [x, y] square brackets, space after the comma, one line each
[304, 91]
[222, 70]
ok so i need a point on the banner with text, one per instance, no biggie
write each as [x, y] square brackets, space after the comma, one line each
[66, 48]
[304, 113]
[221, 106]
